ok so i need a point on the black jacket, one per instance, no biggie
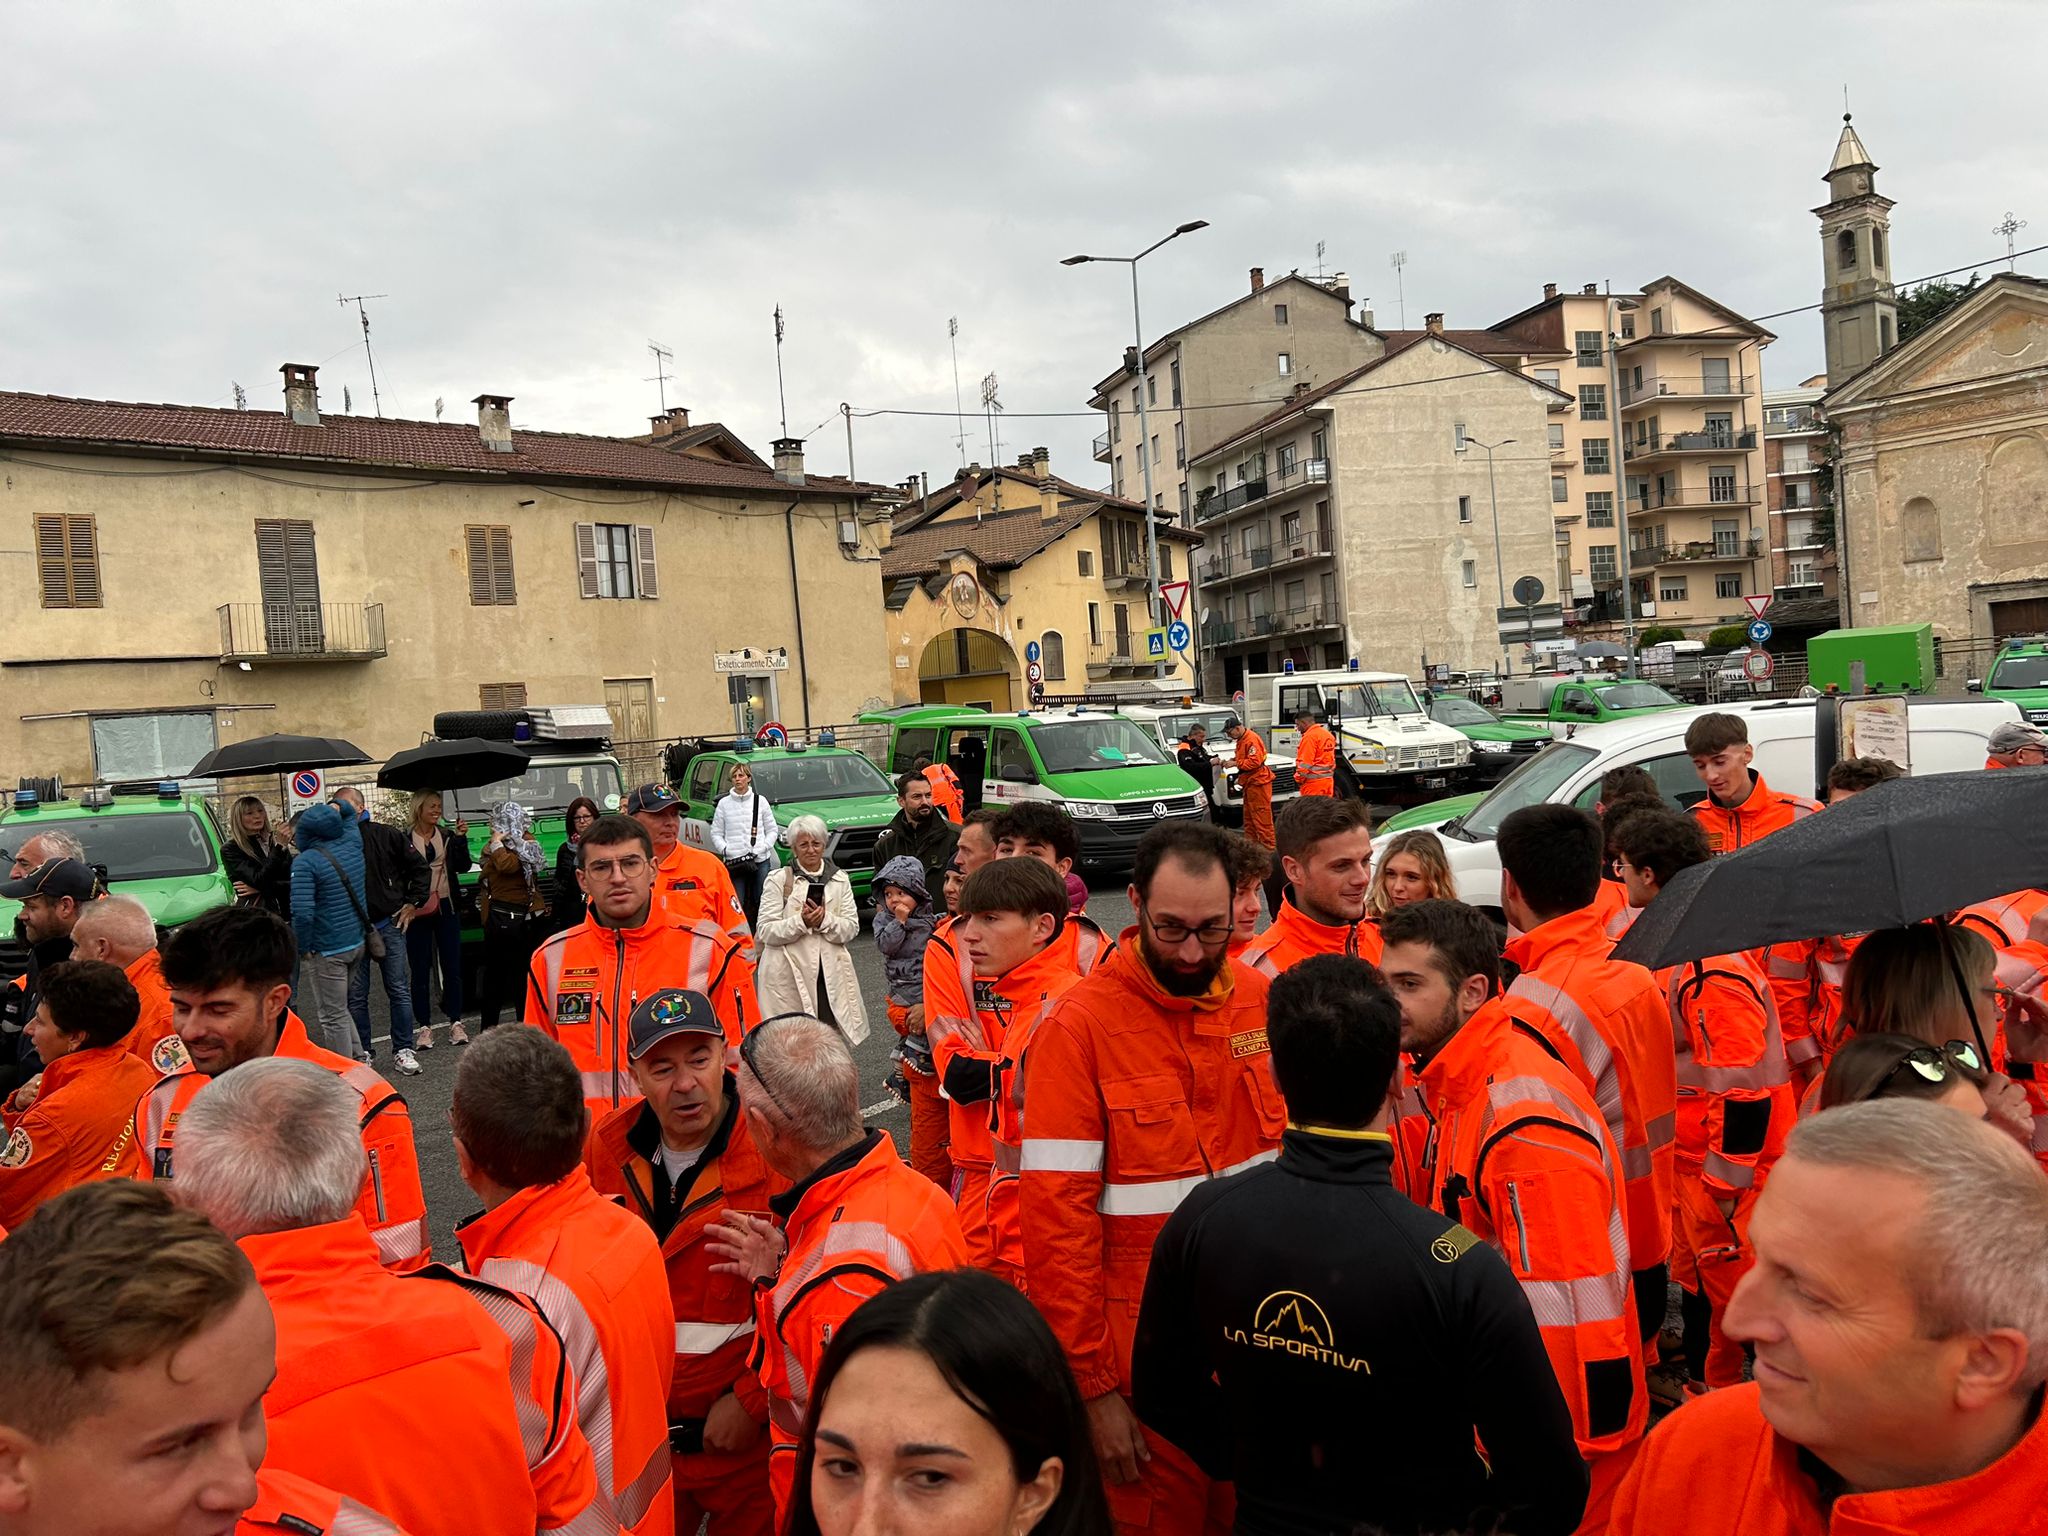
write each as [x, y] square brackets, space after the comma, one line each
[567, 909]
[1332, 1347]
[269, 874]
[394, 873]
[931, 845]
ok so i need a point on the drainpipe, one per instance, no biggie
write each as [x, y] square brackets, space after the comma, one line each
[796, 597]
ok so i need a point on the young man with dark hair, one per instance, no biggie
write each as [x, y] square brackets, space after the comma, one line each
[1735, 1100]
[1326, 852]
[1605, 1018]
[945, 785]
[1251, 865]
[1739, 807]
[584, 981]
[520, 1128]
[1305, 1307]
[1148, 1077]
[1622, 789]
[689, 883]
[920, 829]
[230, 976]
[1038, 829]
[1519, 1152]
[1853, 775]
[75, 1122]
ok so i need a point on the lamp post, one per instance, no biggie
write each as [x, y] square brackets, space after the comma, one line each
[1628, 601]
[1144, 420]
[1500, 575]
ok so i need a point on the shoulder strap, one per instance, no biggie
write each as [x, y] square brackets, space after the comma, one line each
[347, 889]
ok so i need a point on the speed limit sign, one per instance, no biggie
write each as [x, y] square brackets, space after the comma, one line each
[1034, 671]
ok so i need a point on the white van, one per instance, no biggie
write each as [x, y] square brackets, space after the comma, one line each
[1167, 724]
[1948, 736]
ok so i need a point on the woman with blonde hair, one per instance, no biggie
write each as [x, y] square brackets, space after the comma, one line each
[436, 929]
[1413, 868]
[258, 861]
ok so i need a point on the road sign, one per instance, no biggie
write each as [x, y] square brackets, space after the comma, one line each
[1033, 672]
[774, 732]
[1175, 595]
[1758, 604]
[1038, 693]
[1155, 644]
[1538, 621]
[306, 786]
[1759, 631]
[1529, 591]
[1177, 634]
[1758, 665]
[1031, 651]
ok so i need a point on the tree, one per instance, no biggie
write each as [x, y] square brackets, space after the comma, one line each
[1727, 635]
[1920, 307]
[1660, 634]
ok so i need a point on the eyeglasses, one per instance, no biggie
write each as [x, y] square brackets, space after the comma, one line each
[629, 866]
[1935, 1066]
[748, 1042]
[1209, 935]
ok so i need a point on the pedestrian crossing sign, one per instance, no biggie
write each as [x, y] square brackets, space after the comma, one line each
[1155, 644]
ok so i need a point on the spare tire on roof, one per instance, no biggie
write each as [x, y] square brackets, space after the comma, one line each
[488, 724]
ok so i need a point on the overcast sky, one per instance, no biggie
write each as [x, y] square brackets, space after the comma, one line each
[538, 190]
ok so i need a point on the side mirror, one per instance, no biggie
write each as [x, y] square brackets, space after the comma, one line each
[1013, 774]
[1974, 685]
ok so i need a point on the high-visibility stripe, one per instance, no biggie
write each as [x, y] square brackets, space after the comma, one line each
[1734, 1175]
[1769, 1072]
[352, 1519]
[1802, 1049]
[551, 967]
[1586, 1039]
[1663, 1130]
[638, 1496]
[605, 1085]
[1161, 1197]
[401, 1240]
[159, 1101]
[1635, 1163]
[1784, 968]
[1507, 1095]
[1004, 1156]
[703, 1338]
[1567, 1303]
[580, 1344]
[597, 1520]
[1045, 1154]
[536, 1431]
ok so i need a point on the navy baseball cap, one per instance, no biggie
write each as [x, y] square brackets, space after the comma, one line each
[56, 879]
[671, 1011]
[651, 797]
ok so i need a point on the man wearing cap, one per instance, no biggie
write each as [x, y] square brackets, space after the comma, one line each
[2017, 745]
[52, 894]
[689, 883]
[678, 1158]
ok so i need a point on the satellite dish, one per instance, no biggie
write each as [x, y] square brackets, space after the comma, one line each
[1203, 615]
[440, 405]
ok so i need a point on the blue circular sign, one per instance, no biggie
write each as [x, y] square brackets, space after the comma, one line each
[1759, 631]
[1177, 634]
[1031, 650]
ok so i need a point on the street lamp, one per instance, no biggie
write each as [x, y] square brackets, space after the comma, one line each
[1500, 576]
[1144, 420]
[1628, 602]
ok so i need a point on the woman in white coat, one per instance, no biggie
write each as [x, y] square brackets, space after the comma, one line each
[805, 966]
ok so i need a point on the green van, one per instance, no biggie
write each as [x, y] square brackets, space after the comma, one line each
[157, 844]
[1109, 774]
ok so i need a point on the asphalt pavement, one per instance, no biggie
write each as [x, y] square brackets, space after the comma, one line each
[427, 1095]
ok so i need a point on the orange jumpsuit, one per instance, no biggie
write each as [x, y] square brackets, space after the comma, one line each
[1133, 1097]
[862, 1220]
[946, 794]
[1517, 1152]
[690, 883]
[1255, 782]
[597, 1274]
[445, 1402]
[290, 1505]
[585, 982]
[154, 1038]
[392, 1204]
[1764, 812]
[1806, 984]
[1315, 761]
[1294, 936]
[2008, 919]
[713, 1314]
[81, 1129]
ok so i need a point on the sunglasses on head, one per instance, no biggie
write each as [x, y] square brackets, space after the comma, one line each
[1932, 1065]
[748, 1042]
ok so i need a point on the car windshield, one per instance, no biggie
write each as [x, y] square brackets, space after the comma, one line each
[1531, 784]
[2021, 672]
[1173, 727]
[152, 845]
[1461, 712]
[1094, 744]
[1359, 701]
[1640, 696]
[547, 787]
[794, 780]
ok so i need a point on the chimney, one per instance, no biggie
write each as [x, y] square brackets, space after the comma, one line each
[301, 394]
[1340, 285]
[1549, 291]
[675, 419]
[789, 460]
[1435, 321]
[1130, 359]
[494, 422]
[1590, 288]
[1258, 278]
[1048, 488]
[1025, 464]
[1365, 319]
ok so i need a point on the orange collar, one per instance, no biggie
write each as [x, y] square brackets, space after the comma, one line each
[535, 1212]
[1576, 932]
[1127, 963]
[311, 1256]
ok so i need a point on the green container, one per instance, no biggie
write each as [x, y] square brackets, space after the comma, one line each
[1897, 658]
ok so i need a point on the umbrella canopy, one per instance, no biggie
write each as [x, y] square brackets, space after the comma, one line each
[1600, 648]
[1907, 850]
[459, 764]
[277, 754]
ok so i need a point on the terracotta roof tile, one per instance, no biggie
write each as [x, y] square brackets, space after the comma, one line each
[1001, 542]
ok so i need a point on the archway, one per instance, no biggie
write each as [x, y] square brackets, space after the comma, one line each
[971, 668]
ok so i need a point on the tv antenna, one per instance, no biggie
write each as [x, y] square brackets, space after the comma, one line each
[1397, 261]
[241, 396]
[2009, 227]
[1320, 248]
[780, 397]
[959, 411]
[363, 314]
[660, 377]
[992, 408]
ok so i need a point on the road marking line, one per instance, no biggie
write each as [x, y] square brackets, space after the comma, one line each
[869, 1111]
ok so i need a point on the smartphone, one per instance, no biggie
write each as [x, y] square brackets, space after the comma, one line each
[817, 896]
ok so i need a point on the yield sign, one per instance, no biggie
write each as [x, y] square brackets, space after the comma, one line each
[1175, 595]
[1758, 604]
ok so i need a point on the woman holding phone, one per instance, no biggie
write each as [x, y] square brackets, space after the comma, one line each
[808, 916]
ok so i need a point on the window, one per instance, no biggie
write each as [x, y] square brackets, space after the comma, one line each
[1470, 570]
[1095, 623]
[147, 747]
[1556, 436]
[1728, 584]
[490, 567]
[1318, 445]
[1165, 561]
[1009, 759]
[1116, 479]
[1656, 322]
[1845, 249]
[288, 573]
[615, 560]
[501, 695]
[1599, 509]
[1720, 429]
[1279, 314]
[1155, 447]
[1593, 455]
[1587, 345]
[1671, 589]
[1797, 459]
[1592, 402]
[1716, 377]
[1799, 573]
[1180, 446]
[1721, 483]
[1628, 325]
[1560, 493]
[1286, 459]
[1727, 537]
[1548, 376]
[1464, 509]
[1135, 403]
[1116, 419]
[1799, 532]
[1290, 529]
[1183, 501]
[1176, 380]
[1052, 655]
[1600, 561]
[1286, 364]
[1877, 248]
[1458, 437]
[1087, 560]
[1884, 333]
[1151, 389]
[68, 562]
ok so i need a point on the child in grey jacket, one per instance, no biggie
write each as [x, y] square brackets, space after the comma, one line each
[903, 926]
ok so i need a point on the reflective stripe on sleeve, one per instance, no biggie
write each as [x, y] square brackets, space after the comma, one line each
[1566, 1303]
[1048, 1155]
[602, 1085]
[703, 1338]
[1592, 1048]
[598, 1520]
[1161, 1197]
[1734, 1175]
[401, 1241]
[638, 1496]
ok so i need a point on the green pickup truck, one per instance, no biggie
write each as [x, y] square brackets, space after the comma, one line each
[2020, 674]
[840, 787]
[1563, 701]
[156, 843]
[1498, 746]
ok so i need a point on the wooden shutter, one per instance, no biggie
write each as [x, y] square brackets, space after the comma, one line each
[586, 558]
[478, 541]
[68, 561]
[501, 695]
[502, 586]
[489, 548]
[271, 574]
[643, 554]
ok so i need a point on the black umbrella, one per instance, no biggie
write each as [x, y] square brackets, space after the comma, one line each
[463, 763]
[1907, 850]
[277, 754]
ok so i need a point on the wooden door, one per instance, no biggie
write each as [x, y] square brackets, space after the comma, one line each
[630, 702]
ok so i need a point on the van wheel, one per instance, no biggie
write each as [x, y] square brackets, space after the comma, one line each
[487, 724]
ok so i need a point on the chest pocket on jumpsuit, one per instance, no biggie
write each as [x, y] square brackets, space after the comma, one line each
[1270, 1108]
[1151, 1137]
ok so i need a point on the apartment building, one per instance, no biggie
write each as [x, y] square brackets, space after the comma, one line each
[1213, 377]
[1797, 494]
[1358, 519]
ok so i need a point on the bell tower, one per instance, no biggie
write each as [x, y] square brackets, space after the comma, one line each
[1858, 308]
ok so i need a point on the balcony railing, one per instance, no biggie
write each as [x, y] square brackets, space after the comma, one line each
[1797, 419]
[1112, 651]
[1212, 504]
[272, 632]
[1683, 386]
[1236, 563]
[1694, 552]
[1102, 449]
[1689, 442]
[1651, 499]
[1122, 578]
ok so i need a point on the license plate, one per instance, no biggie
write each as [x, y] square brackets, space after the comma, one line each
[1434, 781]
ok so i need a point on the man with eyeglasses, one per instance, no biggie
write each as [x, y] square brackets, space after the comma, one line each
[2017, 745]
[1150, 1076]
[855, 1219]
[586, 981]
